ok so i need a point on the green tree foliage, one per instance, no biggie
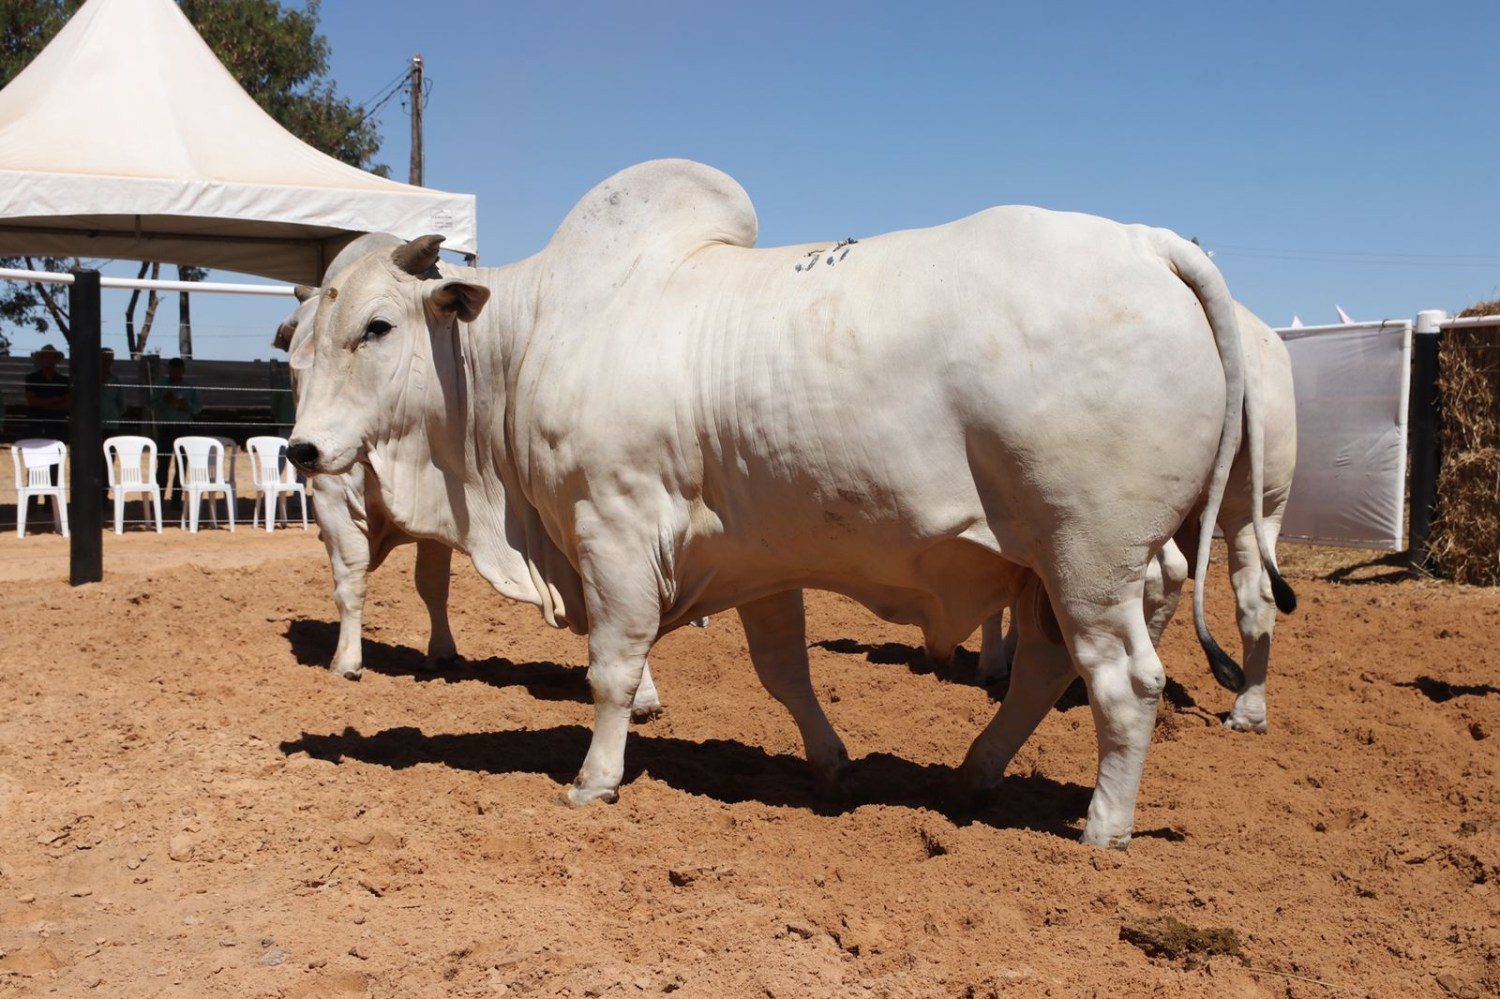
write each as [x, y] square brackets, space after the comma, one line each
[274, 51]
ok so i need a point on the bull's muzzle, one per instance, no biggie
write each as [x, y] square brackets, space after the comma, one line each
[304, 456]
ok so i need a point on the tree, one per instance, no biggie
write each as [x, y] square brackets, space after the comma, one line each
[276, 54]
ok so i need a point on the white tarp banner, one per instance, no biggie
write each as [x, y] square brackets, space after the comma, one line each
[1352, 383]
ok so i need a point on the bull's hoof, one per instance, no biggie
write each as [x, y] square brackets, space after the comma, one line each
[830, 774]
[1104, 840]
[990, 677]
[433, 664]
[960, 796]
[348, 672]
[1238, 724]
[580, 796]
[641, 716]
[832, 786]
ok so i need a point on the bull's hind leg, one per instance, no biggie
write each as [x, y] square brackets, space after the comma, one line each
[1256, 619]
[1105, 630]
[775, 628]
[1040, 672]
[433, 575]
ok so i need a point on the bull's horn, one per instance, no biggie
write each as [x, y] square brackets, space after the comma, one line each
[418, 256]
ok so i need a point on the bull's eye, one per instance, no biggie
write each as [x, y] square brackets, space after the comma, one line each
[377, 329]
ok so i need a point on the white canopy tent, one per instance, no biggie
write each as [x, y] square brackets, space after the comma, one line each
[127, 138]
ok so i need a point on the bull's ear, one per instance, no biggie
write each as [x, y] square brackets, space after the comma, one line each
[302, 356]
[283, 338]
[303, 292]
[460, 298]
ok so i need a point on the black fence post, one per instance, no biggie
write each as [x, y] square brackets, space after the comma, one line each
[85, 435]
[1426, 423]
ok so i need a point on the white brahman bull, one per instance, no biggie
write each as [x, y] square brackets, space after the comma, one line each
[1256, 604]
[354, 528]
[358, 533]
[650, 421]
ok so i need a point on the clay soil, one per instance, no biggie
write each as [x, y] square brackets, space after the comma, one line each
[190, 805]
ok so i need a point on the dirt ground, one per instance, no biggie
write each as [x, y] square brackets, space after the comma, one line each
[190, 805]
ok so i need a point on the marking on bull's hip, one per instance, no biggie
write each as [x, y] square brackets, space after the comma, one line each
[811, 258]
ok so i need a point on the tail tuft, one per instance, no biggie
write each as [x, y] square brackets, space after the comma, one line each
[1286, 600]
[1225, 669]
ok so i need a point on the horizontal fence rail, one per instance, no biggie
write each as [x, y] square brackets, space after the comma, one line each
[150, 284]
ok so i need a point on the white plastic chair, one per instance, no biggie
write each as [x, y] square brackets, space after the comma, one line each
[200, 473]
[34, 459]
[275, 479]
[231, 465]
[131, 465]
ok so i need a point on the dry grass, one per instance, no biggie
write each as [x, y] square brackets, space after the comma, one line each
[1466, 530]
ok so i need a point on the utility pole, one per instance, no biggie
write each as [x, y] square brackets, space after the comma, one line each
[415, 79]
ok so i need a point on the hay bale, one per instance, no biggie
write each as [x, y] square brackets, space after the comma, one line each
[1465, 540]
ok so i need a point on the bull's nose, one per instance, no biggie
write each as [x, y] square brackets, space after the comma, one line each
[303, 455]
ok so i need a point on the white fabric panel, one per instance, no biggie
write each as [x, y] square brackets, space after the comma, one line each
[127, 113]
[1352, 384]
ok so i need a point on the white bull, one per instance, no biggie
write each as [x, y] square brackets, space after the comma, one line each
[651, 421]
[358, 533]
[355, 529]
[1255, 603]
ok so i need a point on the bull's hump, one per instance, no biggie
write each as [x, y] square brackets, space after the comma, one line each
[663, 208]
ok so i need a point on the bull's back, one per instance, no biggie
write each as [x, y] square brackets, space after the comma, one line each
[886, 398]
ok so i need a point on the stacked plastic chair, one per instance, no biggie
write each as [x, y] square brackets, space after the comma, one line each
[131, 465]
[41, 471]
[200, 473]
[275, 479]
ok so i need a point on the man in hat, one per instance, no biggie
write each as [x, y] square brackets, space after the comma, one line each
[47, 396]
[111, 394]
[174, 405]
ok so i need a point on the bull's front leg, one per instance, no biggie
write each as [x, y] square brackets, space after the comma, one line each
[997, 649]
[1040, 672]
[1165, 575]
[775, 629]
[349, 556]
[647, 705]
[624, 617]
[433, 575]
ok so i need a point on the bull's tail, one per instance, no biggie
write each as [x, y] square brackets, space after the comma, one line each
[1255, 432]
[1192, 265]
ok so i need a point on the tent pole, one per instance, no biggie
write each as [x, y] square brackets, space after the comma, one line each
[85, 435]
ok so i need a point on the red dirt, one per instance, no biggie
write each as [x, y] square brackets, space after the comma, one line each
[189, 806]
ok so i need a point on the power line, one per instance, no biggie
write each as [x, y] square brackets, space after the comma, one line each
[395, 81]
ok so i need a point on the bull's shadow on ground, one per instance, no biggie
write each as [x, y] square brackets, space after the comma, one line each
[1438, 691]
[1392, 567]
[727, 771]
[964, 669]
[313, 642]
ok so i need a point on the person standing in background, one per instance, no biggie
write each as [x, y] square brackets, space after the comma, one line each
[111, 394]
[174, 405]
[47, 397]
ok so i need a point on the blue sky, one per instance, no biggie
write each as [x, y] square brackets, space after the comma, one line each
[1329, 152]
